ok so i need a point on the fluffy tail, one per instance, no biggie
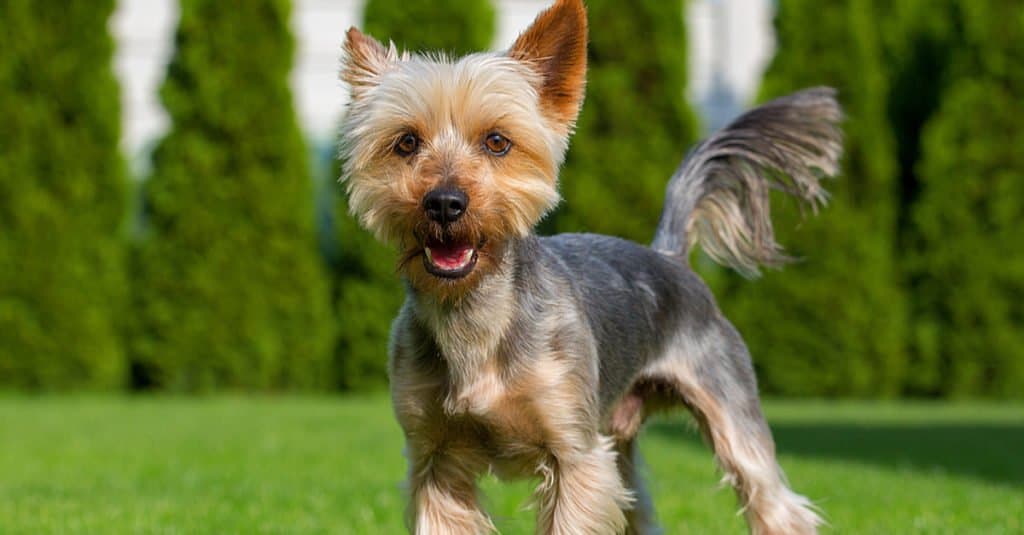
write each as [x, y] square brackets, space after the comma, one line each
[719, 194]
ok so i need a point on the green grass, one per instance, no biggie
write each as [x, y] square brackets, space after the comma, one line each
[334, 465]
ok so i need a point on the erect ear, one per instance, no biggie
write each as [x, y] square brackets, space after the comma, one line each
[364, 61]
[555, 45]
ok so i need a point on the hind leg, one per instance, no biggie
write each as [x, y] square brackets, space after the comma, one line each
[641, 519]
[714, 376]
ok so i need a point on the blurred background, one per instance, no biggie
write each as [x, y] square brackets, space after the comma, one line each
[171, 218]
[171, 225]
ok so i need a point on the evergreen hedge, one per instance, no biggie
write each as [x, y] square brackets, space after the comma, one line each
[458, 27]
[62, 194]
[834, 323]
[922, 39]
[968, 266]
[232, 292]
[367, 285]
[636, 124]
[369, 294]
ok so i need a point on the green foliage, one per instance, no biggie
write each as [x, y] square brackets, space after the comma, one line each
[369, 296]
[967, 265]
[936, 49]
[636, 124]
[232, 293]
[455, 26]
[922, 37]
[62, 194]
[368, 288]
[834, 323]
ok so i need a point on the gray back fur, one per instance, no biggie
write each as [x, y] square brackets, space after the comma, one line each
[634, 300]
[719, 195]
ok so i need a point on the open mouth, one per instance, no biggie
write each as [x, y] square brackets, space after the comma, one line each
[449, 259]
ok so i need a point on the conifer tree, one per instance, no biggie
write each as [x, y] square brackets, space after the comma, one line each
[62, 198]
[967, 264]
[232, 292]
[457, 27]
[922, 38]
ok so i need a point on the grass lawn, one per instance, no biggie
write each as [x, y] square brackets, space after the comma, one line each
[333, 465]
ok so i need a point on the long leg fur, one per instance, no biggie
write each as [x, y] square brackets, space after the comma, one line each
[714, 377]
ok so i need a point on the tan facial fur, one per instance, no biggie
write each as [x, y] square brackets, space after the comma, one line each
[451, 106]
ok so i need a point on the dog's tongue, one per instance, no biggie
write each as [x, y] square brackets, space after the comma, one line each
[449, 256]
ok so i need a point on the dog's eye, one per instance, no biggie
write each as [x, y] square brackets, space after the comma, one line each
[407, 144]
[497, 144]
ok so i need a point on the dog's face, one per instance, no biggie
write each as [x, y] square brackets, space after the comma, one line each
[450, 159]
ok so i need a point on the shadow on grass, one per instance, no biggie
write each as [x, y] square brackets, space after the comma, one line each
[990, 451]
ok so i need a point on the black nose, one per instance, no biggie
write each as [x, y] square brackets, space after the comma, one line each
[445, 205]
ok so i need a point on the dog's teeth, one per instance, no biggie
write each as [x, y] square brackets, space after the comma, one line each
[447, 262]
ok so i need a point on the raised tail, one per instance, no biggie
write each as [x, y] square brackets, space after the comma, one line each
[719, 194]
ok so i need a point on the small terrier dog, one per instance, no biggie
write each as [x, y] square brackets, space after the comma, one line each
[542, 356]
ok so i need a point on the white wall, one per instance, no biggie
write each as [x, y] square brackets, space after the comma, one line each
[319, 27]
[749, 44]
[144, 31]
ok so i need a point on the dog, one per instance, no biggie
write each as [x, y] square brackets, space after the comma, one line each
[541, 357]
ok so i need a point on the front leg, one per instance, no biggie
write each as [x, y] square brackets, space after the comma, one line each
[443, 465]
[582, 493]
[444, 495]
[443, 461]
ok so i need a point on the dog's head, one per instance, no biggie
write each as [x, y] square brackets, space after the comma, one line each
[449, 158]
